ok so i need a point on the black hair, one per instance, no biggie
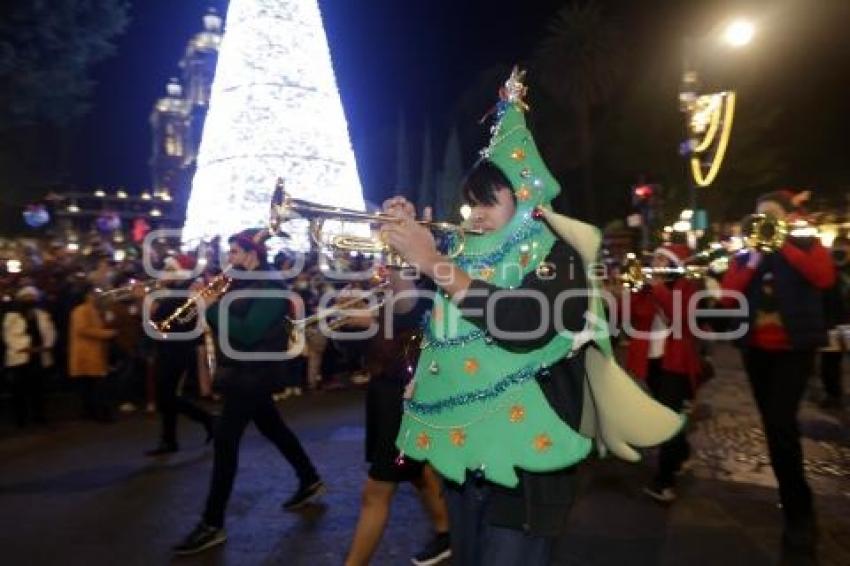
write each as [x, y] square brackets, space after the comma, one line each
[482, 183]
[250, 240]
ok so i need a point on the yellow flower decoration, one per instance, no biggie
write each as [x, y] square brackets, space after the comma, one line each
[458, 437]
[423, 441]
[542, 442]
[517, 414]
[523, 194]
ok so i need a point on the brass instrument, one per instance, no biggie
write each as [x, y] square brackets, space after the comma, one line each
[344, 305]
[284, 207]
[188, 310]
[132, 290]
[221, 283]
[764, 232]
[635, 275]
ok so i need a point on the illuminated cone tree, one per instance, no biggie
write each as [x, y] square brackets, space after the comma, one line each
[275, 111]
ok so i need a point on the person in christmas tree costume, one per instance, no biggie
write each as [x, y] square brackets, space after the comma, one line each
[516, 376]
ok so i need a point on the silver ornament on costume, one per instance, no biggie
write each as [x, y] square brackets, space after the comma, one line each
[434, 367]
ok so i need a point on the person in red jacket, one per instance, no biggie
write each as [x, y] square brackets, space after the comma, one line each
[786, 326]
[663, 352]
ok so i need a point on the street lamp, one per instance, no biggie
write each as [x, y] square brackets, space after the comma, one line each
[708, 116]
[739, 33]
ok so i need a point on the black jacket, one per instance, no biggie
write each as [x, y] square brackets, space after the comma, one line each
[540, 504]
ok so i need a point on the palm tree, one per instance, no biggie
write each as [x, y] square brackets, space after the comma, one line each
[578, 63]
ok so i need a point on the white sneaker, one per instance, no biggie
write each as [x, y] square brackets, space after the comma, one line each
[127, 408]
[662, 495]
[360, 378]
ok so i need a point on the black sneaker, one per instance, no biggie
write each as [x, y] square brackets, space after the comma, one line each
[437, 550]
[304, 495]
[164, 449]
[661, 494]
[201, 538]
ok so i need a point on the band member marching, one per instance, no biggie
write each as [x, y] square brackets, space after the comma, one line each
[174, 357]
[514, 379]
[257, 329]
[663, 352]
[391, 357]
[783, 287]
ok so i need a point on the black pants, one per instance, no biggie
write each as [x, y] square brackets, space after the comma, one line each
[779, 380]
[830, 374]
[475, 542]
[97, 403]
[27, 383]
[671, 390]
[174, 361]
[240, 408]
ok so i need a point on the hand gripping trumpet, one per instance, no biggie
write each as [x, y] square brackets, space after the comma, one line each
[284, 207]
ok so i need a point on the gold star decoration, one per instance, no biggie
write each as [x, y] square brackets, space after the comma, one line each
[486, 273]
[517, 414]
[518, 154]
[514, 89]
[524, 255]
[545, 270]
[542, 442]
[523, 194]
[470, 366]
[458, 437]
[423, 441]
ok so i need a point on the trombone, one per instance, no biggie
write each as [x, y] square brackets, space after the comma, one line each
[189, 309]
[284, 207]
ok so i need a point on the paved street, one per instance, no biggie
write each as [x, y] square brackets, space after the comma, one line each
[85, 494]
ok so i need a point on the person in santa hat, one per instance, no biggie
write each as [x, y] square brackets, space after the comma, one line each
[784, 291]
[663, 353]
[176, 358]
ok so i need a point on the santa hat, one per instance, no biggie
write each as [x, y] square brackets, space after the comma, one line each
[676, 253]
[179, 266]
[788, 199]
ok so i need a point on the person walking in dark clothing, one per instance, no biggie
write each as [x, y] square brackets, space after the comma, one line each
[174, 356]
[784, 296]
[251, 331]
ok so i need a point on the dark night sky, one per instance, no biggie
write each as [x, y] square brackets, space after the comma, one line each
[420, 55]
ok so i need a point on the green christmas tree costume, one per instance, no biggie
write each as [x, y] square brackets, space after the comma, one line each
[477, 406]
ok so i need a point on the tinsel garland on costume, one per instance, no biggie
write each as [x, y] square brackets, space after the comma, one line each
[476, 405]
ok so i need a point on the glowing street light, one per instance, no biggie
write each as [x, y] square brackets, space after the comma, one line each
[739, 33]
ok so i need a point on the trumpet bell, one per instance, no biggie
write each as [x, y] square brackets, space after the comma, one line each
[764, 232]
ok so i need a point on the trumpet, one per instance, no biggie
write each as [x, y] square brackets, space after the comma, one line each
[131, 290]
[189, 309]
[635, 275]
[284, 207]
[764, 232]
[347, 304]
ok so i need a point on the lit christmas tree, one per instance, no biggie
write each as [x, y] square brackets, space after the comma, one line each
[275, 111]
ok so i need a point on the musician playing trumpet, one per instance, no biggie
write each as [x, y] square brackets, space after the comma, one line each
[663, 353]
[784, 297]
